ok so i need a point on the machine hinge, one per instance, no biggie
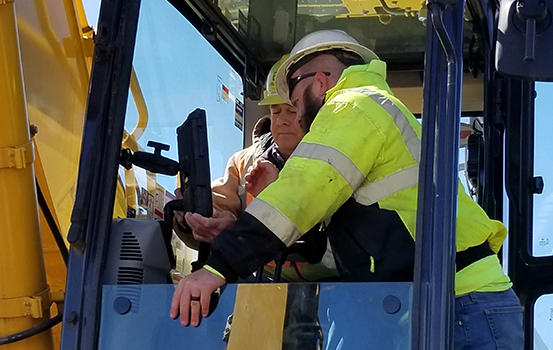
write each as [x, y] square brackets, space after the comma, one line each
[17, 157]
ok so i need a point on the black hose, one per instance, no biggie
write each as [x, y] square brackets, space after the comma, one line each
[32, 331]
[53, 226]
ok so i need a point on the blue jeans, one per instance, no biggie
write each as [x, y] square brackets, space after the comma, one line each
[488, 321]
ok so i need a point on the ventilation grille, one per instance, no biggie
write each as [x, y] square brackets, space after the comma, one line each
[130, 275]
[130, 248]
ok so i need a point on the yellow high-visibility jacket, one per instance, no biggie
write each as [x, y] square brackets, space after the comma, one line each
[358, 166]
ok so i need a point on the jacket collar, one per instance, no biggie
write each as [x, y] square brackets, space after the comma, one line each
[372, 74]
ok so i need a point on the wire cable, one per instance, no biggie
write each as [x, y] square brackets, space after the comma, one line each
[32, 331]
[52, 225]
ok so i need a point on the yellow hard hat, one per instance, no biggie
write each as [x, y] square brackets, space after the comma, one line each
[322, 40]
[270, 95]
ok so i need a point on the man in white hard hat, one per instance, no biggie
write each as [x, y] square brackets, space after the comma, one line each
[359, 165]
[274, 140]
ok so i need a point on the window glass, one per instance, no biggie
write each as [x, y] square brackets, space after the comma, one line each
[505, 249]
[396, 28]
[543, 203]
[543, 323]
[176, 71]
[542, 242]
[467, 126]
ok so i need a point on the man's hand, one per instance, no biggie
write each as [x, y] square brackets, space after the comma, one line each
[193, 295]
[259, 176]
[206, 229]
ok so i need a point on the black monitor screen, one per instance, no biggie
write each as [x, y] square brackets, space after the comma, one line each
[195, 179]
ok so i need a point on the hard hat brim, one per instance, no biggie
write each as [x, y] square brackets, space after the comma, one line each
[273, 99]
[281, 80]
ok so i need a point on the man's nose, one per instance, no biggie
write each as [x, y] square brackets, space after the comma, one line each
[284, 120]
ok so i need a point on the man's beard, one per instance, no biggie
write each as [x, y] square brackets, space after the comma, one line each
[311, 108]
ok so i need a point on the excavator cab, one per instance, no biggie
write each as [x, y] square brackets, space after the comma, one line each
[471, 72]
[440, 63]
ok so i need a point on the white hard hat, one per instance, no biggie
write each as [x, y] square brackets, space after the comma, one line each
[322, 40]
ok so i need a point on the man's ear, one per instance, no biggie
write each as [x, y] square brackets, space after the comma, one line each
[320, 84]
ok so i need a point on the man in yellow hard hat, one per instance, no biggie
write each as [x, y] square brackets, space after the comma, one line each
[274, 140]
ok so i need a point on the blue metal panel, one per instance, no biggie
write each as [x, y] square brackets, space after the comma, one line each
[351, 316]
[148, 325]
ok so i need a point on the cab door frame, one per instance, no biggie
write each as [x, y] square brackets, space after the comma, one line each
[100, 152]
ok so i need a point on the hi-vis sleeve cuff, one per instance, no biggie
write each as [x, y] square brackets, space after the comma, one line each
[218, 263]
[213, 271]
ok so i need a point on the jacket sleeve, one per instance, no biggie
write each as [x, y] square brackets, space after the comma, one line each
[242, 249]
[332, 161]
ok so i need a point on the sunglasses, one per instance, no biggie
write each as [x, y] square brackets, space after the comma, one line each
[292, 82]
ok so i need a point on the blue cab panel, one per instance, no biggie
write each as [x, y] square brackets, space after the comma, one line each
[329, 316]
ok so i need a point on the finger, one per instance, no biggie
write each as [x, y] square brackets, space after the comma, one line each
[206, 299]
[251, 177]
[179, 216]
[200, 233]
[193, 221]
[228, 216]
[175, 302]
[195, 308]
[258, 167]
[190, 220]
[201, 220]
[193, 218]
[185, 308]
[206, 238]
[252, 169]
[254, 175]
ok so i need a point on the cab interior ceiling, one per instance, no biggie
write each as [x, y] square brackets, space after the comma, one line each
[256, 33]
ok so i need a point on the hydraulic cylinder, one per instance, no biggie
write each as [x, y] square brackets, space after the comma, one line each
[24, 293]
